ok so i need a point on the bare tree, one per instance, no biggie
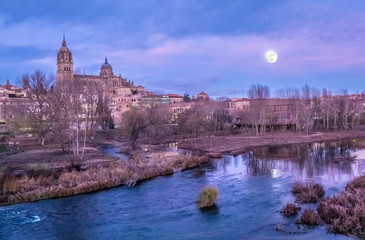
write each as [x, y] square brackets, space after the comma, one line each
[195, 121]
[34, 114]
[258, 109]
[77, 109]
[326, 108]
[158, 117]
[135, 120]
[344, 109]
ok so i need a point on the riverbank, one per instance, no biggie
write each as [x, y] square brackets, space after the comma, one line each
[48, 157]
[140, 167]
[237, 144]
[252, 190]
[44, 173]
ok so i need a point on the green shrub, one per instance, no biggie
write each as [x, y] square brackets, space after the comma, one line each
[208, 197]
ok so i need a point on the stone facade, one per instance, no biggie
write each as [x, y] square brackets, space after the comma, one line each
[242, 104]
[202, 96]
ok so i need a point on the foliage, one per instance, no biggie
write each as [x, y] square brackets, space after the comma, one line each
[186, 97]
[36, 185]
[308, 192]
[310, 217]
[290, 210]
[207, 197]
[345, 213]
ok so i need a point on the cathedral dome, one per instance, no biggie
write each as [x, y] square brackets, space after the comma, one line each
[106, 69]
[106, 64]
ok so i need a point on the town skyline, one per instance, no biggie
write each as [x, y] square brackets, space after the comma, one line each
[220, 50]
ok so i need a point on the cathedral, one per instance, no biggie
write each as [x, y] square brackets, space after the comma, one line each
[124, 94]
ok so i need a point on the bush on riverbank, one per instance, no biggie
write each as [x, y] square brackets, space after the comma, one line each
[290, 210]
[345, 213]
[207, 197]
[31, 188]
[310, 217]
[308, 192]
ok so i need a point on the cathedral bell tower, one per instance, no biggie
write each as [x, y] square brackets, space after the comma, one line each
[65, 64]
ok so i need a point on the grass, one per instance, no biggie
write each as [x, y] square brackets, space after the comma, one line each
[290, 210]
[310, 217]
[41, 184]
[207, 197]
[39, 169]
[345, 213]
[308, 192]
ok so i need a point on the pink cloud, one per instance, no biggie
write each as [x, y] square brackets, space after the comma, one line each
[297, 54]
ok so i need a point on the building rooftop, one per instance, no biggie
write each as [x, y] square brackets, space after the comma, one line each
[174, 95]
[86, 76]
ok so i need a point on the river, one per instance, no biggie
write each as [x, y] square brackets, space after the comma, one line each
[253, 187]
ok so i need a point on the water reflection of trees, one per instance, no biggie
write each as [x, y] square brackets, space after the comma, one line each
[308, 159]
[259, 166]
[305, 160]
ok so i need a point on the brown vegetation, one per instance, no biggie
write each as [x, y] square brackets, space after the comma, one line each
[207, 197]
[214, 155]
[290, 209]
[345, 213]
[344, 159]
[31, 188]
[308, 192]
[310, 217]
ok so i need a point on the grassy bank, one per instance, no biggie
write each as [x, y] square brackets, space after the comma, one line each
[238, 144]
[140, 167]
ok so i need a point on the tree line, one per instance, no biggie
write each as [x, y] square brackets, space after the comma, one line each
[71, 112]
[300, 110]
[304, 109]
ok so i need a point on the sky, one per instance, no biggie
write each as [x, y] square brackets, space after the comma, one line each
[178, 46]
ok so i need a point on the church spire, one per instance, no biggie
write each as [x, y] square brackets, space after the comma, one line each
[106, 60]
[64, 41]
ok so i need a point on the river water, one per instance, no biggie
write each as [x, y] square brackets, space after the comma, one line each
[253, 188]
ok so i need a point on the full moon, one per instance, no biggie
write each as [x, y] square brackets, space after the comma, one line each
[271, 56]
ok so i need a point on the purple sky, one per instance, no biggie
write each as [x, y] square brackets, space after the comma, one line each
[172, 46]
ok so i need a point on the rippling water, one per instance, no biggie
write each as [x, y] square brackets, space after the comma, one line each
[253, 188]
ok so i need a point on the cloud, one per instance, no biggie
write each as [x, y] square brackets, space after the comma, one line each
[206, 44]
[297, 54]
